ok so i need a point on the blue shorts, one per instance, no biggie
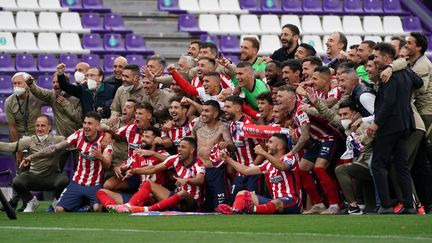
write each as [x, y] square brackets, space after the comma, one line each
[324, 150]
[248, 183]
[216, 189]
[134, 183]
[291, 205]
[126, 197]
[73, 194]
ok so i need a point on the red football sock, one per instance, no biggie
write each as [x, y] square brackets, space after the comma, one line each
[268, 208]
[170, 202]
[310, 187]
[104, 198]
[142, 195]
[327, 185]
[239, 203]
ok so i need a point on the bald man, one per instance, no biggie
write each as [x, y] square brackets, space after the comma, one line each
[115, 80]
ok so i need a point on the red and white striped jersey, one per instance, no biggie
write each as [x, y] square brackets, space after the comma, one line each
[335, 93]
[244, 146]
[187, 172]
[89, 171]
[282, 183]
[226, 82]
[132, 134]
[137, 161]
[177, 132]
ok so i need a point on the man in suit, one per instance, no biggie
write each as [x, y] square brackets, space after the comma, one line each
[392, 125]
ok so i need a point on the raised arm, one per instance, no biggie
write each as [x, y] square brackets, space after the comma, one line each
[65, 85]
[43, 94]
[18, 146]
[184, 85]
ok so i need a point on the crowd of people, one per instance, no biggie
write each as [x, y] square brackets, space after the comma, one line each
[286, 133]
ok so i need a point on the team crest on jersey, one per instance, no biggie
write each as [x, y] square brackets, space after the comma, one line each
[134, 146]
[276, 179]
[88, 156]
[239, 143]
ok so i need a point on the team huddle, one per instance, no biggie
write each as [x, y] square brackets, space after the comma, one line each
[282, 134]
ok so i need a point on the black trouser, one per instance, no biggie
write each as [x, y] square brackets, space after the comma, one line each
[26, 182]
[384, 147]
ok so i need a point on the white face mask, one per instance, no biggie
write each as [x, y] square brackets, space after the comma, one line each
[79, 77]
[42, 137]
[19, 91]
[128, 88]
[346, 123]
[91, 84]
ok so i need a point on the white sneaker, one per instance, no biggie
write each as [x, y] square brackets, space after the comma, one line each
[31, 205]
[54, 203]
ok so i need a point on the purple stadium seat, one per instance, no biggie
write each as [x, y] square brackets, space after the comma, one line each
[271, 6]
[209, 38]
[92, 21]
[188, 23]
[47, 110]
[234, 58]
[47, 62]
[353, 6]
[92, 59]
[45, 81]
[251, 5]
[136, 59]
[372, 6]
[5, 85]
[92, 42]
[292, 6]
[2, 105]
[332, 6]
[392, 6]
[412, 24]
[6, 63]
[230, 44]
[25, 63]
[108, 63]
[95, 5]
[72, 4]
[114, 22]
[7, 163]
[170, 6]
[430, 43]
[135, 43]
[70, 60]
[113, 42]
[312, 6]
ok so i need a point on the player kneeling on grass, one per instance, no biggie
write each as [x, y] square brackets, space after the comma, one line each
[190, 179]
[281, 172]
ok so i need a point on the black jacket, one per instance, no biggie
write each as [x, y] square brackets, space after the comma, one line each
[116, 83]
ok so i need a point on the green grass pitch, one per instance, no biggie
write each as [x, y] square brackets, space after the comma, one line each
[104, 227]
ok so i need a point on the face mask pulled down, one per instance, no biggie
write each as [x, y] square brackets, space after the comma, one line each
[19, 91]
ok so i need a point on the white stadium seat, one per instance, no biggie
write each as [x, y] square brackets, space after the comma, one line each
[269, 44]
[207, 6]
[51, 5]
[387, 39]
[70, 43]
[393, 25]
[375, 38]
[49, 21]
[231, 6]
[331, 24]
[373, 25]
[28, 5]
[249, 24]
[311, 24]
[353, 40]
[26, 42]
[7, 42]
[270, 24]
[291, 19]
[48, 42]
[208, 23]
[26, 21]
[71, 21]
[8, 5]
[315, 41]
[190, 6]
[352, 25]
[7, 21]
[229, 24]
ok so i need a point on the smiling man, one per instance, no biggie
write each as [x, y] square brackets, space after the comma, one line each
[289, 39]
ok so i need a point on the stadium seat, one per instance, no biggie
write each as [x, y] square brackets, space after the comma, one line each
[372, 6]
[332, 6]
[271, 6]
[250, 5]
[206, 6]
[430, 43]
[71, 21]
[331, 23]
[7, 43]
[209, 38]
[312, 6]
[7, 22]
[352, 25]
[372, 25]
[209, 23]
[7, 64]
[8, 5]
[270, 24]
[412, 24]
[353, 6]
[136, 43]
[393, 25]
[47, 63]
[392, 7]
[188, 23]
[352, 40]
[26, 21]
[230, 6]
[244, 36]
[292, 6]
[25, 63]
[92, 59]
[28, 5]
[229, 44]
[92, 42]
[51, 5]
[70, 60]
[269, 44]
[113, 42]
[49, 21]
[315, 41]
[291, 19]
[249, 24]
[48, 42]
[387, 38]
[233, 58]
[72, 4]
[6, 88]
[71, 43]
[45, 81]
[374, 38]
[26, 42]
[168, 5]
[191, 6]
[229, 24]
[95, 5]
[114, 22]
[311, 24]
[92, 21]
[108, 63]
[136, 59]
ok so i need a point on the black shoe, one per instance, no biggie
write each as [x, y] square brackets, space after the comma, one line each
[382, 210]
[21, 209]
[408, 211]
[354, 210]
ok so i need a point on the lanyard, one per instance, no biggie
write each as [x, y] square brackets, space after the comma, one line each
[24, 114]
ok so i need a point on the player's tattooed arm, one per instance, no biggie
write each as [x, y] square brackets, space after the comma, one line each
[226, 136]
[304, 137]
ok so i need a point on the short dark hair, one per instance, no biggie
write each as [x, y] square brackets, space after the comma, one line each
[354, 46]
[278, 84]
[191, 141]
[255, 42]
[177, 99]
[343, 39]
[370, 43]
[308, 48]
[146, 106]
[93, 114]
[210, 60]
[314, 60]
[212, 74]
[159, 59]
[385, 49]
[266, 96]
[131, 100]
[283, 138]
[195, 42]
[421, 41]
[287, 88]
[134, 68]
[156, 131]
[211, 45]
[214, 104]
[401, 40]
[235, 99]
[244, 65]
[277, 63]
[100, 71]
[348, 104]
[293, 64]
[323, 70]
[294, 29]
[345, 65]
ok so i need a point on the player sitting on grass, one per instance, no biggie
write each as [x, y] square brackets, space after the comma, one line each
[190, 179]
[282, 174]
